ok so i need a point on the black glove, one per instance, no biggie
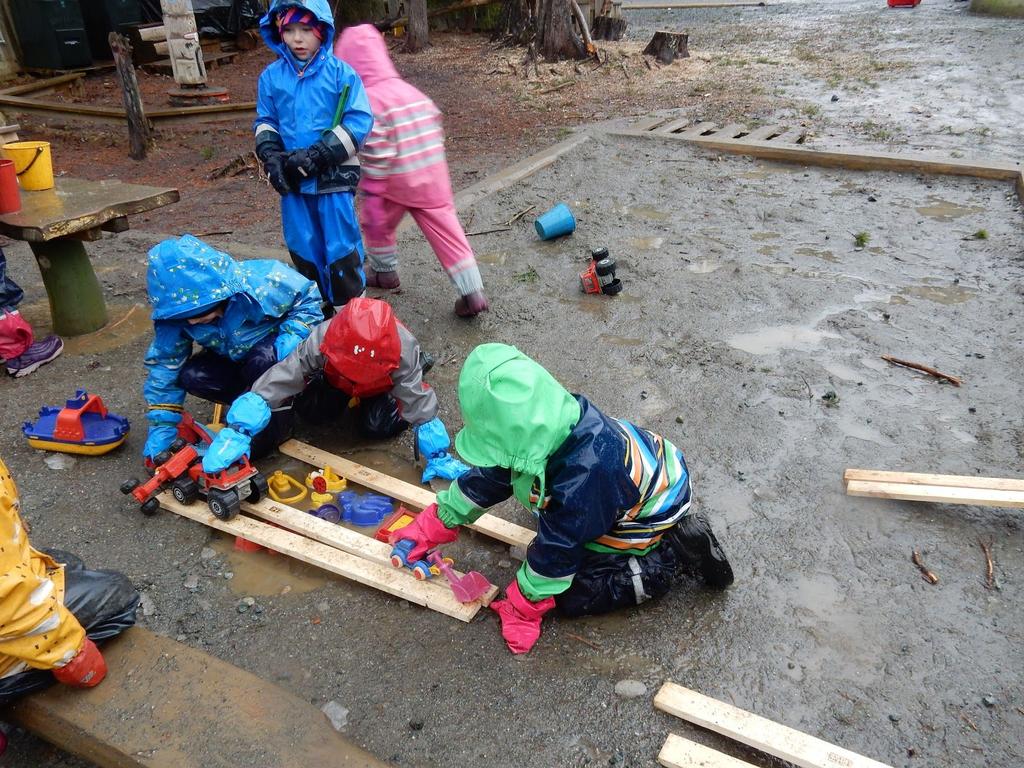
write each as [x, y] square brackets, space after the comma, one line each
[273, 164]
[306, 163]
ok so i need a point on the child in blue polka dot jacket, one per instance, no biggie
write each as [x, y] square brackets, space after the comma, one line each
[244, 317]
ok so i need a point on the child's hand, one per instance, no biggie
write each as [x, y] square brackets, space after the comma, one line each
[305, 164]
[274, 166]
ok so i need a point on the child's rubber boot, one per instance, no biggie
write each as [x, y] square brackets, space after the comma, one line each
[471, 304]
[385, 280]
[695, 544]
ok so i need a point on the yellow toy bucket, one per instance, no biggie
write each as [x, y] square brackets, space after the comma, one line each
[32, 163]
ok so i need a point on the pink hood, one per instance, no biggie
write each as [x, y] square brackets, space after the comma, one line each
[363, 48]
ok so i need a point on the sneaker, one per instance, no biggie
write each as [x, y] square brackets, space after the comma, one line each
[471, 305]
[40, 353]
[385, 280]
[695, 544]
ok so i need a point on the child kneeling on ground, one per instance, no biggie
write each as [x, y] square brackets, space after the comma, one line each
[608, 496]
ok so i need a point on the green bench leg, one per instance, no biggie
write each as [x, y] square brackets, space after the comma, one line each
[76, 299]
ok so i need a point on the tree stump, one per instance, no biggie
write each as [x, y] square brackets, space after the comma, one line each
[248, 39]
[138, 127]
[668, 46]
[607, 28]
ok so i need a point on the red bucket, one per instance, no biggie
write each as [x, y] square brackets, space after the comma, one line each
[10, 197]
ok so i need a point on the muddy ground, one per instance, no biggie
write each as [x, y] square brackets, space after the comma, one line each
[746, 303]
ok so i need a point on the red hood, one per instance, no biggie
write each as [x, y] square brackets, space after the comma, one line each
[362, 347]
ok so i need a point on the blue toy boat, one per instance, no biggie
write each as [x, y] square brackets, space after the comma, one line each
[83, 426]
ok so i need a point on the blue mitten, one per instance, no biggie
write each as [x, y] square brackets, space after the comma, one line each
[445, 466]
[227, 448]
[432, 439]
[285, 344]
[159, 439]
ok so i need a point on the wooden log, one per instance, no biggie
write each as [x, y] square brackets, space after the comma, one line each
[383, 577]
[248, 39]
[667, 46]
[37, 86]
[938, 494]
[138, 128]
[153, 34]
[921, 478]
[487, 524]
[678, 752]
[162, 49]
[758, 732]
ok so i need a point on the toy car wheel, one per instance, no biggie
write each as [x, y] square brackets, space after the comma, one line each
[178, 444]
[150, 507]
[420, 573]
[258, 488]
[185, 491]
[223, 504]
[396, 561]
[129, 485]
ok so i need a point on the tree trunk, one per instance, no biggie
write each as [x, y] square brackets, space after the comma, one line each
[138, 128]
[555, 36]
[517, 24]
[418, 34]
[668, 46]
[607, 28]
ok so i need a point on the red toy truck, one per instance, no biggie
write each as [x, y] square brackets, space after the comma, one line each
[181, 469]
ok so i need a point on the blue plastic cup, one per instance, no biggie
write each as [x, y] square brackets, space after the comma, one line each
[556, 222]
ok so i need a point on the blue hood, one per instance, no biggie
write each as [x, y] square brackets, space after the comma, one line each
[187, 276]
[268, 25]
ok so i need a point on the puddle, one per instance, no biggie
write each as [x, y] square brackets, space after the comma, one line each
[497, 258]
[824, 255]
[852, 426]
[647, 212]
[646, 243]
[950, 294]
[964, 437]
[774, 339]
[620, 341]
[704, 266]
[764, 171]
[768, 250]
[127, 323]
[261, 573]
[844, 372]
[944, 210]
[764, 235]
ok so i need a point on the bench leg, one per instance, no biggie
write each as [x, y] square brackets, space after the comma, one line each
[76, 299]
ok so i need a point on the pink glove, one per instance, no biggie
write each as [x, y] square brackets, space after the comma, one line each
[520, 618]
[85, 670]
[427, 531]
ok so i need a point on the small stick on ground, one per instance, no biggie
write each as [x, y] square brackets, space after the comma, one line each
[584, 640]
[990, 578]
[217, 232]
[968, 720]
[488, 231]
[923, 368]
[558, 87]
[927, 575]
[519, 215]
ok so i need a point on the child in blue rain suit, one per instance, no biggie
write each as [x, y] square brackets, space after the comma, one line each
[312, 116]
[245, 316]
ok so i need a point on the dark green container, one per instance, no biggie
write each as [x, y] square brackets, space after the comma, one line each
[51, 33]
[105, 16]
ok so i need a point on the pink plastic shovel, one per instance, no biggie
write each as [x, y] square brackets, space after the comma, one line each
[472, 586]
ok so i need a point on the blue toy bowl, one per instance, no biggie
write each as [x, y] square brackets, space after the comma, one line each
[556, 222]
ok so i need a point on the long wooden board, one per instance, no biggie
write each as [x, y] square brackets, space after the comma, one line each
[678, 752]
[758, 732]
[923, 478]
[166, 705]
[429, 594]
[336, 536]
[982, 497]
[487, 524]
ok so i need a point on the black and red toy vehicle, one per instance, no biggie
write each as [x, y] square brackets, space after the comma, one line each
[180, 469]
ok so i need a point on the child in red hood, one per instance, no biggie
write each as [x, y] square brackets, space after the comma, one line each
[404, 169]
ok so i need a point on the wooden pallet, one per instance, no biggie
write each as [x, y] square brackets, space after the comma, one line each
[332, 548]
[708, 131]
[940, 489]
[758, 732]
[487, 524]
[211, 60]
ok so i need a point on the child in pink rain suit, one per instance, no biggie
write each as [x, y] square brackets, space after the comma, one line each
[404, 169]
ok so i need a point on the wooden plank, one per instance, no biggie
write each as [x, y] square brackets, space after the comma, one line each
[678, 752]
[41, 85]
[922, 478]
[762, 133]
[729, 131]
[758, 732]
[153, 34]
[682, 5]
[166, 705]
[385, 578]
[982, 497]
[487, 524]
[336, 536]
[675, 125]
[697, 130]
[650, 123]
[792, 136]
[852, 158]
[1020, 187]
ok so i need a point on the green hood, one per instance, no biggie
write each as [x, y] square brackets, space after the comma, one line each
[516, 415]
